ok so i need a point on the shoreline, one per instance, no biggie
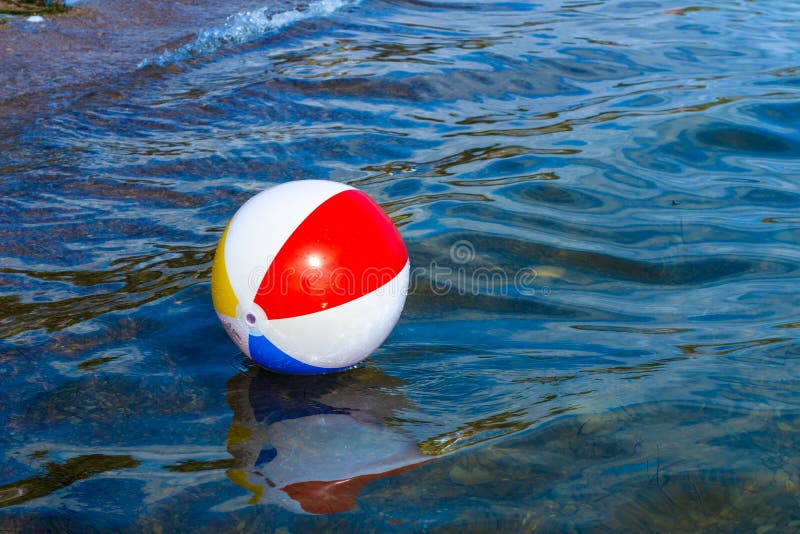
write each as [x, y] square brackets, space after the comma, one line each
[80, 47]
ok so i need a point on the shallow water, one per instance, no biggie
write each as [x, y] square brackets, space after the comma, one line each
[601, 203]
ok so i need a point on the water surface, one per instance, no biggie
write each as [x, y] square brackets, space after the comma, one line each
[601, 205]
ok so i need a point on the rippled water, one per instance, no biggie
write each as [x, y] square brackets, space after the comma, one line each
[601, 202]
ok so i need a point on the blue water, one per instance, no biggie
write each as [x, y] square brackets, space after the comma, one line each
[601, 202]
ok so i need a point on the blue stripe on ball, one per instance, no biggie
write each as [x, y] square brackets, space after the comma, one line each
[264, 353]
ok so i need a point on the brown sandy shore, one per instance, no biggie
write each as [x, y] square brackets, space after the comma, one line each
[30, 7]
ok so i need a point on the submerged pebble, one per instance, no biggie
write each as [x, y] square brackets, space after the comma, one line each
[470, 476]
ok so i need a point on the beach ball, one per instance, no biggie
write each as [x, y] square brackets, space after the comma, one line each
[309, 277]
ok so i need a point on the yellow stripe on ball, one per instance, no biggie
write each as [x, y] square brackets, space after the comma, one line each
[224, 299]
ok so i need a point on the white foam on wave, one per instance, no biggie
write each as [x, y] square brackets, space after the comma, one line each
[245, 27]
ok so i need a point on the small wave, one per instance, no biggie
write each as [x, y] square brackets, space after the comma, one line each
[245, 27]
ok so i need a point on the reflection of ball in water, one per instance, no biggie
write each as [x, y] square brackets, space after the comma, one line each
[309, 277]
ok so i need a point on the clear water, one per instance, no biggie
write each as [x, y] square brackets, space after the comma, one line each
[601, 201]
